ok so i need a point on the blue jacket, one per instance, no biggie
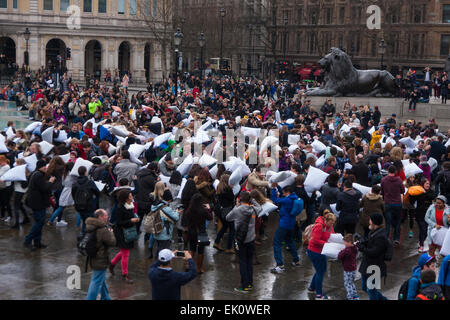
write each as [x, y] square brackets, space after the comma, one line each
[287, 221]
[166, 283]
[444, 273]
[414, 284]
[166, 234]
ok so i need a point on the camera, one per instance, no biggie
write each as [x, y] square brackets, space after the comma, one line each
[180, 254]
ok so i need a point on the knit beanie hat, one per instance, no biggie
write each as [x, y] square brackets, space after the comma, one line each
[377, 219]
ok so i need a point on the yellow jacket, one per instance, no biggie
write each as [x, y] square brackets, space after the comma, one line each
[376, 136]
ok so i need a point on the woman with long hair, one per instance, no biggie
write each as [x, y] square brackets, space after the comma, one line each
[125, 218]
[155, 196]
[6, 190]
[65, 199]
[188, 192]
[225, 197]
[196, 215]
[422, 203]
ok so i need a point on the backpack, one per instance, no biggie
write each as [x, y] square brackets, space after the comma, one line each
[306, 235]
[82, 199]
[297, 208]
[88, 244]
[389, 251]
[403, 292]
[152, 222]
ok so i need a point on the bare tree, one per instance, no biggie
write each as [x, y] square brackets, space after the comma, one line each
[158, 21]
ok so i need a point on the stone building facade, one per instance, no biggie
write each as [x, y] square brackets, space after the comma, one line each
[416, 33]
[111, 37]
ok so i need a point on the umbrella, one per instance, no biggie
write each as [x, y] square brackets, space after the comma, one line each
[117, 109]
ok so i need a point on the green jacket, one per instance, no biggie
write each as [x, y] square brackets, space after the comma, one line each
[93, 106]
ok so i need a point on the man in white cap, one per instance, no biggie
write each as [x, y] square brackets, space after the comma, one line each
[166, 283]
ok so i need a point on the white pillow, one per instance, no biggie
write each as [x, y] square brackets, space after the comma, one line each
[333, 209]
[288, 181]
[47, 135]
[363, 189]
[315, 179]
[235, 177]
[253, 132]
[372, 130]
[438, 236]
[345, 128]
[134, 159]
[320, 161]
[81, 163]
[100, 186]
[31, 162]
[32, 126]
[65, 157]
[338, 148]
[120, 131]
[331, 250]
[161, 139]
[318, 146]
[136, 149]
[293, 139]
[433, 164]
[267, 208]
[269, 141]
[216, 184]
[164, 178]
[280, 176]
[15, 174]
[206, 160]
[184, 167]
[62, 137]
[213, 171]
[236, 189]
[46, 147]
[10, 133]
[410, 143]
[111, 149]
[445, 250]
[183, 183]
[3, 148]
[293, 147]
[411, 170]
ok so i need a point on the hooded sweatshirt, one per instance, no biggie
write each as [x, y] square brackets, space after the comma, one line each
[240, 215]
[392, 189]
[287, 221]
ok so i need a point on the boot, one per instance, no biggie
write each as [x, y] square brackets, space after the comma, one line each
[200, 264]
[127, 279]
[111, 269]
[151, 253]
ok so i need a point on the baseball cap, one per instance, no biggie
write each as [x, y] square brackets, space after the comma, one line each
[165, 255]
[424, 259]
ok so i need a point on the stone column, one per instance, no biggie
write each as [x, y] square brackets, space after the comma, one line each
[155, 62]
[137, 62]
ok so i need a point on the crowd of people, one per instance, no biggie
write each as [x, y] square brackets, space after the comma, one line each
[115, 157]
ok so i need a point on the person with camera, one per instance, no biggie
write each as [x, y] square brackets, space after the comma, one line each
[166, 283]
[373, 249]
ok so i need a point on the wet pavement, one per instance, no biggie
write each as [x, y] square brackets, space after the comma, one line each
[43, 274]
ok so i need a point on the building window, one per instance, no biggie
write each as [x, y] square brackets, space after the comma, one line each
[48, 5]
[446, 13]
[395, 15]
[329, 15]
[299, 42]
[87, 6]
[314, 16]
[356, 15]
[63, 5]
[4, 4]
[341, 41]
[445, 44]
[14, 4]
[286, 17]
[121, 7]
[342, 15]
[312, 43]
[300, 16]
[155, 7]
[102, 6]
[133, 7]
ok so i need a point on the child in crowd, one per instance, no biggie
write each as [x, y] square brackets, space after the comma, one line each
[348, 258]
[429, 289]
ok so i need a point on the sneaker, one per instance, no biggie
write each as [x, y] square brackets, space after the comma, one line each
[295, 263]
[310, 290]
[421, 250]
[396, 243]
[8, 219]
[278, 269]
[264, 237]
[355, 298]
[127, 279]
[411, 234]
[250, 287]
[322, 297]
[241, 290]
[61, 223]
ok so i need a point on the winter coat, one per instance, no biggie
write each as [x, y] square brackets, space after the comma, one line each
[373, 251]
[444, 272]
[424, 201]
[240, 214]
[146, 180]
[392, 189]
[66, 199]
[123, 221]
[430, 218]
[84, 183]
[125, 169]
[348, 205]
[319, 235]
[329, 196]
[432, 291]
[255, 182]
[168, 212]
[39, 191]
[414, 283]
[105, 240]
[348, 258]
[371, 203]
[206, 189]
[287, 221]
[165, 169]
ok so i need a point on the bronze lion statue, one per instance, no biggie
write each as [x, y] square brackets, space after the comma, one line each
[343, 79]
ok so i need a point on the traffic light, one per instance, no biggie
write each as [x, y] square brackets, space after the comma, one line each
[68, 53]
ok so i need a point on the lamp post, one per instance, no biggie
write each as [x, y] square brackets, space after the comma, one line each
[223, 13]
[177, 38]
[382, 51]
[201, 42]
[26, 35]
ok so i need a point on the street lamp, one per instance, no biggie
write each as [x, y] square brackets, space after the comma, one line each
[201, 42]
[26, 35]
[382, 51]
[223, 13]
[177, 38]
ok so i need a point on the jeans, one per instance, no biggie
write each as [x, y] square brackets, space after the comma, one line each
[78, 222]
[84, 216]
[151, 242]
[374, 294]
[288, 237]
[57, 213]
[392, 214]
[98, 285]
[319, 262]
[423, 230]
[36, 231]
[246, 252]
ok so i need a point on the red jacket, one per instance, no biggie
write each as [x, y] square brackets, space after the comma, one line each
[319, 235]
[89, 133]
